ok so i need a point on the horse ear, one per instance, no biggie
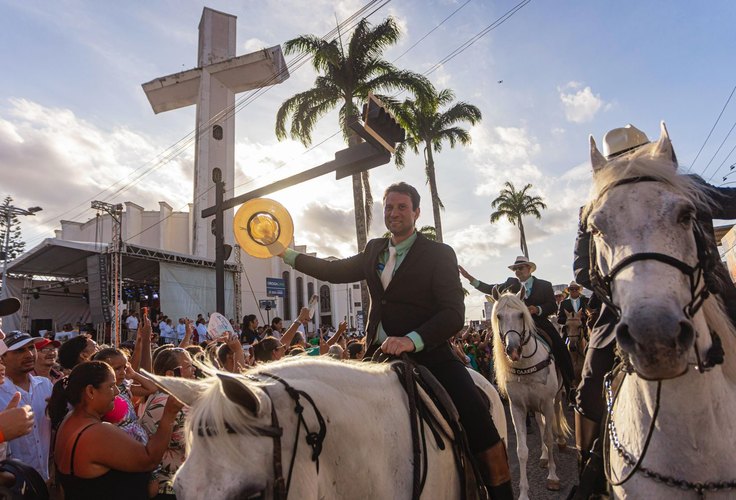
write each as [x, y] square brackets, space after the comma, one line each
[521, 293]
[237, 391]
[664, 147]
[490, 299]
[597, 160]
[495, 294]
[568, 314]
[185, 390]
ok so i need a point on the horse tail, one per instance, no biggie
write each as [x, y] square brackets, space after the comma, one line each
[562, 423]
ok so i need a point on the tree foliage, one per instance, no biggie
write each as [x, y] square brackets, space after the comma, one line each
[426, 124]
[16, 245]
[513, 205]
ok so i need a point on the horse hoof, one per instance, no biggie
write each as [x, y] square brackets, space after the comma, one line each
[553, 485]
[543, 463]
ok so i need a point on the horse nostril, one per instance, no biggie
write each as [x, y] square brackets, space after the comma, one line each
[687, 334]
[623, 336]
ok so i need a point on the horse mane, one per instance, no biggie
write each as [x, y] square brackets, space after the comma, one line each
[213, 409]
[643, 162]
[500, 361]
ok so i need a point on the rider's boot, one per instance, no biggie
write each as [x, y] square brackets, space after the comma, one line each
[586, 431]
[494, 467]
[590, 459]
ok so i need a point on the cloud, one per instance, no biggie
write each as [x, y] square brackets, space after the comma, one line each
[69, 161]
[581, 105]
[255, 44]
[503, 154]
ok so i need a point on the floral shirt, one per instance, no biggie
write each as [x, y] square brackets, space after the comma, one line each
[130, 423]
[175, 454]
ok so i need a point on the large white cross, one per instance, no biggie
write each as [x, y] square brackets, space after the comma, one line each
[212, 87]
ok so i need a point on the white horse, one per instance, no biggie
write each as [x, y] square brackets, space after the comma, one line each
[672, 418]
[241, 432]
[526, 372]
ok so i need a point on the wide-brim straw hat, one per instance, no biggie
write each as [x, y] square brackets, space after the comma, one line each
[523, 261]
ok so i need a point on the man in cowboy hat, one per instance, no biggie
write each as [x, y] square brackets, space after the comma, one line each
[417, 306]
[600, 355]
[540, 300]
[574, 303]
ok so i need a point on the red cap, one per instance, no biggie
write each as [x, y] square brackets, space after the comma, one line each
[45, 343]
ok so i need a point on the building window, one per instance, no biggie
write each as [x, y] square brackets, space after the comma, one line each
[299, 294]
[287, 295]
[325, 304]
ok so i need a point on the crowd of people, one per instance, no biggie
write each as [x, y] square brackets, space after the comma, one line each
[68, 403]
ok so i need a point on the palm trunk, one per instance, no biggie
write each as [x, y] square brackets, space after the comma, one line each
[361, 229]
[432, 179]
[522, 239]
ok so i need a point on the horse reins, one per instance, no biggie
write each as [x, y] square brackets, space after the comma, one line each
[703, 281]
[524, 334]
[275, 431]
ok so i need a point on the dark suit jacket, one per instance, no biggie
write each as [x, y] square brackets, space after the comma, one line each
[425, 294]
[566, 305]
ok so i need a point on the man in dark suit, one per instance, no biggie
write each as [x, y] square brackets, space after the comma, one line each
[574, 303]
[540, 300]
[417, 305]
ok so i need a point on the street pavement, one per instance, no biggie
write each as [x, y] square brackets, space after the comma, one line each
[566, 462]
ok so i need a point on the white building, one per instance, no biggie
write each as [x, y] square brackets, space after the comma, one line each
[156, 256]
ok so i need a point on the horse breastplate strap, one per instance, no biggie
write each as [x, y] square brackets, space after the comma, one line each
[532, 369]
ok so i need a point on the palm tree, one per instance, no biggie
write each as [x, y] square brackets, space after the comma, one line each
[346, 74]
[513, 205]
[425, 124]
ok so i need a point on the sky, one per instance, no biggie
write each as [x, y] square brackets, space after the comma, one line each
[75, 124]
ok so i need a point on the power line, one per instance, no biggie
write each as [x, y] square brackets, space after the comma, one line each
[175, 150]
[711, 130]
[431, 31]
[718, 151]
[464, 46]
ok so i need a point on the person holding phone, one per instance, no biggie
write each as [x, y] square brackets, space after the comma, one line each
[170, 362]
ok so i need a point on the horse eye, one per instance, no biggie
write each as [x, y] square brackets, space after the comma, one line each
[686, 217]
[520, 315]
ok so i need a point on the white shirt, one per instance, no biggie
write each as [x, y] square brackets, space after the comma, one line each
[202, 332]
[33, 448]
[181, 330]
[575, 304]
[131, 322]
[166, 330]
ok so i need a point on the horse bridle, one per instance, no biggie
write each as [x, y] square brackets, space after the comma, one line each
[524, 337]
[702, 278]
[281, 485]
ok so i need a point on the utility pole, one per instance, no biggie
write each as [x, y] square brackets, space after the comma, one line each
[116, 258]
[7, 212]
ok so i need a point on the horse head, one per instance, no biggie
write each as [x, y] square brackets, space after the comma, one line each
[228, 417]
[642, 219]
[512, 324]
[574, 330]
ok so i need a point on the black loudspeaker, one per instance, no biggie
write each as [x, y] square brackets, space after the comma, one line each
[98, 288]
[41, 324]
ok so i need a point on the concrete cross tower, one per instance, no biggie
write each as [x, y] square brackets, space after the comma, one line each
[212, 86]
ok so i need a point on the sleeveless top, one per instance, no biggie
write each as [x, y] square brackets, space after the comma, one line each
[112, 485]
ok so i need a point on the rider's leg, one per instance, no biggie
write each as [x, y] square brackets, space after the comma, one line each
[483, 438]
[589, 413]
[562, 356]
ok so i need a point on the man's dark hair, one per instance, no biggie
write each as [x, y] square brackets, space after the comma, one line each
[275, 321]
[404, 188]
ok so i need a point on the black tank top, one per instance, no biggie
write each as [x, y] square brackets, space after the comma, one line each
[112, 485]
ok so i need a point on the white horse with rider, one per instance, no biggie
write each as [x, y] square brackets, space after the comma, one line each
[669, 430]
[313, 428]
[526, 372]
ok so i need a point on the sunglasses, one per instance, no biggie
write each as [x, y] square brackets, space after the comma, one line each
[517, 268]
